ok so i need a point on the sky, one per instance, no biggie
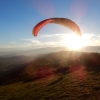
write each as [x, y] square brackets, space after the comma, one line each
[18, 17]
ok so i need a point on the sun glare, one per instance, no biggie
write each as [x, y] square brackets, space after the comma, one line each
[74, 42]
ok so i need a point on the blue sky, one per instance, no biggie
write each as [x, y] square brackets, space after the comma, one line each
[18, 17]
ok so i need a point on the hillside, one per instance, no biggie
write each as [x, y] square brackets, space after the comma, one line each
[61, 75]
[9, 63]
[40, 51]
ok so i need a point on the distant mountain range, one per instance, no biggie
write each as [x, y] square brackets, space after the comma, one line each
[91, 49]
[31, 52]
[40, 51]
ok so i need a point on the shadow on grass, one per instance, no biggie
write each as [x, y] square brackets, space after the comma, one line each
[56, 81]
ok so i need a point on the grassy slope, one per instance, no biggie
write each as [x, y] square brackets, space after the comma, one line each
[82, 85]
[66, 89]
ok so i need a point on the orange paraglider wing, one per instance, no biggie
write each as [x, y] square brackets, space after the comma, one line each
[62, 21]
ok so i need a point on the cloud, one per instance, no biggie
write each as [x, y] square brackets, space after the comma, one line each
[4, 47]
[55, 39]
[94, 39]
[33, 42]
[51, 35]
[48, 40]
[13, 42]
[40, 42]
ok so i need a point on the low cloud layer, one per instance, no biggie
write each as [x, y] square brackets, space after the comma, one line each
[49, 40]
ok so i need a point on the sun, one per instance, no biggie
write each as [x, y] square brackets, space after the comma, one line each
[74, 42]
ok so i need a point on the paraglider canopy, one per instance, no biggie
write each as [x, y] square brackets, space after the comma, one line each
[62, 21]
